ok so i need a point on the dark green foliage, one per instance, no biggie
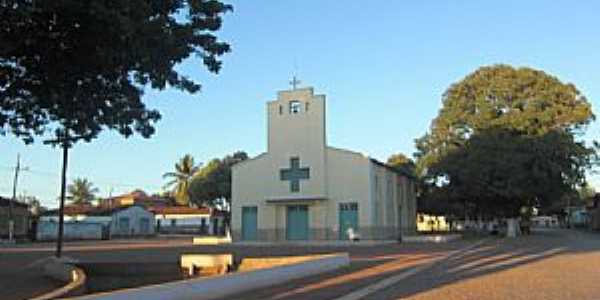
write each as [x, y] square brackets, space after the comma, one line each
[82, 65]
[212, 184]
[524, 100]
[180, 179]
[500, 171]
[81, 191]
[505, 138]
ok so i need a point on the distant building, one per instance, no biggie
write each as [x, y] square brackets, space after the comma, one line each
[131, 221]
[88, 222]
[20, 216]
[137, 197]
[192, 220]
[576, 216]
[545, 221]
[427, 223]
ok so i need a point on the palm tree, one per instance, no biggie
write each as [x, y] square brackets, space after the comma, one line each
[180, 181]
[81, 191]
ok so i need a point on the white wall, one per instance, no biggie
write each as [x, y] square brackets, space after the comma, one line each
[135, 214]
[48, 230]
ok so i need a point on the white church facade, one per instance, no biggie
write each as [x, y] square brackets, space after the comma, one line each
[303, 189]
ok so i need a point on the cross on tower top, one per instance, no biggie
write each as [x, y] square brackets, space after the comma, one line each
[294, 82]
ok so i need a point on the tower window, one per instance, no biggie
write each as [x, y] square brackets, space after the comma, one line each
[280, 109]
[306, 106]
[295, 107]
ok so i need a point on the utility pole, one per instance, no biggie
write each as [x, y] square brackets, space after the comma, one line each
[11, 222]
[63, 188]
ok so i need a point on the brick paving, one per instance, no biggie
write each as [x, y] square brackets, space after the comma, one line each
[555, 264]
[552, 264]
[19, 283]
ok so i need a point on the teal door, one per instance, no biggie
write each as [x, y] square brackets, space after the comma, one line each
[249, 223]
[348, 219]
[297, 222]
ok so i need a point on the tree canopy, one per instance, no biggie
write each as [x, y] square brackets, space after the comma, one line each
[524, 100]
[212, 185]
[81, 191]
[72, 68]
[506, 137]
[180, 180]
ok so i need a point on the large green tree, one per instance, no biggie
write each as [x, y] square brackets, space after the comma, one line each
[506, 137]
[212, 185]
[499, 170]
[180, 180]
[69, 69]
[81, 191]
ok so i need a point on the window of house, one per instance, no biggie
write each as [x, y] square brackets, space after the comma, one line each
[280, 109]
[295, 107]
[306, 106]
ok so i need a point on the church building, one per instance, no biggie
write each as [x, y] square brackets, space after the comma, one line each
[303, 189]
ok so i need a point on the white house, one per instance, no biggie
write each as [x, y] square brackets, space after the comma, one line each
[303, 189]
[131, 221]
[89, 222]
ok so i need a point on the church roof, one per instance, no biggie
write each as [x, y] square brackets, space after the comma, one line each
[395, 170]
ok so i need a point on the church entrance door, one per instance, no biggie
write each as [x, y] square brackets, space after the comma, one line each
[348, 220]
[297, 222]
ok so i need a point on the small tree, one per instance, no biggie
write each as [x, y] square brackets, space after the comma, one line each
[81, 191]
[180, 180]
[212, 185]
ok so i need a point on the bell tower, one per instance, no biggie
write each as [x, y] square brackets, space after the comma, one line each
[296, 133]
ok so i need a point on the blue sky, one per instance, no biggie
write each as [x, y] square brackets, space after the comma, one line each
[382, 64]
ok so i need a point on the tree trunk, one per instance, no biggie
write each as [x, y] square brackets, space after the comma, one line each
[63, 188]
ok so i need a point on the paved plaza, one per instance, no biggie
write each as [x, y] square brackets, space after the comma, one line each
[550, 264]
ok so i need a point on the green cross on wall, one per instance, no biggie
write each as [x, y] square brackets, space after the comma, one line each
[294, 174]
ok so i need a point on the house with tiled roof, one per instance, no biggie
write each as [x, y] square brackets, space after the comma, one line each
[90, 222]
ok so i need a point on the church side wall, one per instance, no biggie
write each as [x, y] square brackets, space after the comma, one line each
[348, 181]
[409, 205]
[384, 214]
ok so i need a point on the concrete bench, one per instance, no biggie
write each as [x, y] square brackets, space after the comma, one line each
[206, 264]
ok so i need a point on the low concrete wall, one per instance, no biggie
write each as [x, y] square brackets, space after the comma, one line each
[434, 238]
[63, 270]
[211, 240]
[218, 263]
[233, 283]
[47, 231]
[251, 264]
